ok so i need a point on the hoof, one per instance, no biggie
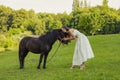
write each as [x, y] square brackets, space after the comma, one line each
[21, 67]
[38, 67]
[44, 67]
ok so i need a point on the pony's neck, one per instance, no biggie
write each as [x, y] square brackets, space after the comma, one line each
[50, 37]
[53, 38]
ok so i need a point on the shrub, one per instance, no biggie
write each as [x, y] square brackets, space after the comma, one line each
[2, 49]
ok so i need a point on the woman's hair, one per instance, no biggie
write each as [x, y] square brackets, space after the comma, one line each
[67, 28]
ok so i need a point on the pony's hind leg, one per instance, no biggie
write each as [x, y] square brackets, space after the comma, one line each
[40, 61]
[22, 55]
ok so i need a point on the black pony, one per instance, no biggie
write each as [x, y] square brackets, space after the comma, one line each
[41, 45]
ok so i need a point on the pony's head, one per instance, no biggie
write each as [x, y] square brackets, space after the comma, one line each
[62, 35]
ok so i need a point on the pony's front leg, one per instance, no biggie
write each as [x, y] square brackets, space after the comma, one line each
[45, 59]
[40, 61]
[22, 56]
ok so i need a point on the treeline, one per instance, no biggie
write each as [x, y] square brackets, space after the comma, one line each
[89, 20]
[96, 20]
[37, 23]
[14, 24]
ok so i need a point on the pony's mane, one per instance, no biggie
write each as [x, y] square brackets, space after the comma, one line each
[49, 36]
[49, 32]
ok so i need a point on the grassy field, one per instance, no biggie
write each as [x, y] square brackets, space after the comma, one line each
[105, 65]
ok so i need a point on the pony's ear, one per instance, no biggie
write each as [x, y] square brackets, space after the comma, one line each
[60, 29]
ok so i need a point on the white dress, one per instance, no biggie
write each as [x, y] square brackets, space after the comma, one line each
[83, 50]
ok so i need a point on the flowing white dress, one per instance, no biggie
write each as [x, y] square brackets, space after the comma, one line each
[83, 50]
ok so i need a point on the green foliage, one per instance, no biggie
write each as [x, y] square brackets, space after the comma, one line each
[105, 3]
[50, 21]
[14, 31]
[6, 41]
[75, 5]
[89, 20]
[2, 39]
[96, 20]
[10, 40]
[4, 17]
[64, 18]
[19, 17]
[2, 49]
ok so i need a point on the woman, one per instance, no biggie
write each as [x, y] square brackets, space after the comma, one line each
[83, 50]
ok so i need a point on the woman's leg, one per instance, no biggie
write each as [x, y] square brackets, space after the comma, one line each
[72, 67]
[82, 66]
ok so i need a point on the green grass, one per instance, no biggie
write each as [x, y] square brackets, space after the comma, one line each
[105, 65]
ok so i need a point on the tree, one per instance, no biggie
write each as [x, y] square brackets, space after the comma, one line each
[75, 5]
[19, 18]
[105, 3]
[85, 3]
[64, 18]
[4, 18]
